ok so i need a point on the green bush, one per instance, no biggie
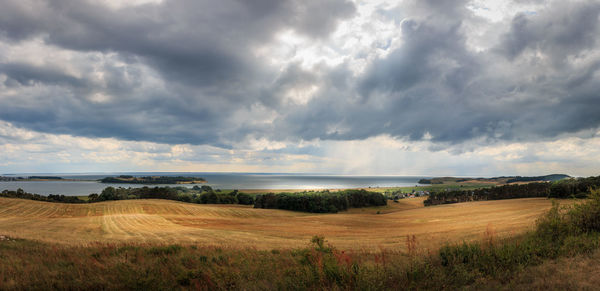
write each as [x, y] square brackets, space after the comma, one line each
[585, 217]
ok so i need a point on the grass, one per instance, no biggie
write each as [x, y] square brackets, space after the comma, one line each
[162, 221]
[35, 265]
[578, 272]
[566, 235]
[44, 266]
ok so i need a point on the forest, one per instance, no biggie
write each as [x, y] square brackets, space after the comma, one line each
[565, 188]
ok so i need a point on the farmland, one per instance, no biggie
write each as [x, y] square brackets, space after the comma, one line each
[238, 226]
[160, 244]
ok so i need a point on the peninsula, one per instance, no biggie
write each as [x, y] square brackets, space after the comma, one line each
[127, 179]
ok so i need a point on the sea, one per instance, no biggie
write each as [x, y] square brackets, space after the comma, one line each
[80, 184]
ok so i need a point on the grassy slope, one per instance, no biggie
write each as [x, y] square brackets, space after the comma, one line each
[581, 272]
[161, 221]
[36, 265]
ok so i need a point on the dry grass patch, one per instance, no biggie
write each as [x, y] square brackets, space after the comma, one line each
[162, 221]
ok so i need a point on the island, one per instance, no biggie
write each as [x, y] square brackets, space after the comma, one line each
[32, 178]
[127, 179]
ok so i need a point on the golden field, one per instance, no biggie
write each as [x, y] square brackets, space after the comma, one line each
[163, 221]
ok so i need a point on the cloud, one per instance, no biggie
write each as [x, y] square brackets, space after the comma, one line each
[169, 72]
[435, 84]
[563, 30]
[266, 76]
[28, 151]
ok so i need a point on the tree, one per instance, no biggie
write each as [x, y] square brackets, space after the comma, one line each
[93, 197]
[245, 199]
[209, 198]
[109, 193]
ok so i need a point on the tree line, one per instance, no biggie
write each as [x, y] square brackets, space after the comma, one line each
[320, 202]
[199, 195]
[566, 188]
[206, 196]
[315, 202]
[20, 193]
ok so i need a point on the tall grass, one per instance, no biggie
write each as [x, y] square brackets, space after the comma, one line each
[562, 232]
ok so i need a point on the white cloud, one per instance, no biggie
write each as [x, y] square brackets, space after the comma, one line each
[28, 151]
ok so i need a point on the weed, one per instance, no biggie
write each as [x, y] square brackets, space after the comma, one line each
[164, 250]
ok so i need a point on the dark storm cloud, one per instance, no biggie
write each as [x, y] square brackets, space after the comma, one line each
[538, 82]
[417, 89]
[566, 30]
[203, 51]
[200, 41]
[208, 85]
[24, 74]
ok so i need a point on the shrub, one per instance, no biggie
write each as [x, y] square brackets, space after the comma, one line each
[164, 250]
[585, 217]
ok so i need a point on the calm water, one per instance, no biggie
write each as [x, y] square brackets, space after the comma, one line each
[215, 180]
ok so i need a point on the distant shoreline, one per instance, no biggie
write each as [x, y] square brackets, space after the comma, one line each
[58, 179]
[79, 185]
[129, 179]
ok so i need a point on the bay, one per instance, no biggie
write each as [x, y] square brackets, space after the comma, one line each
[85, 182]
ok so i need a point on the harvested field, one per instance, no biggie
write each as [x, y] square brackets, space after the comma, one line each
[163, 221]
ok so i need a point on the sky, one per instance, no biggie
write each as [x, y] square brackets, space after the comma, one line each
[421, 87]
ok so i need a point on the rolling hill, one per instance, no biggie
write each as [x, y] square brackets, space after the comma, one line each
[163, 221]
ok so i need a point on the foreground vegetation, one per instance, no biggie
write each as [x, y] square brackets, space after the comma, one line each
[565, 231]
